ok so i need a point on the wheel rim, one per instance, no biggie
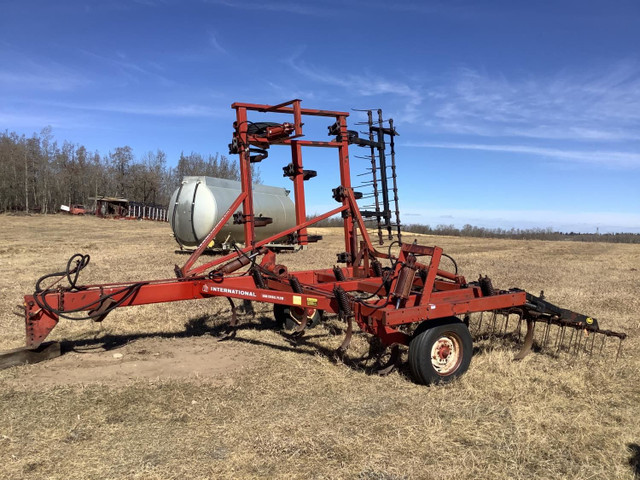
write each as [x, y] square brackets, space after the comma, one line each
[446, 354]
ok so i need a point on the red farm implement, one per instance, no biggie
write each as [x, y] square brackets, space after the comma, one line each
[411, 301]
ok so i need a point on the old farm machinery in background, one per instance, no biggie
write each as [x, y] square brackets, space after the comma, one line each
[407, 298]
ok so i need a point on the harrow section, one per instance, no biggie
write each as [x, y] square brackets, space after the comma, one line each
[406, 299]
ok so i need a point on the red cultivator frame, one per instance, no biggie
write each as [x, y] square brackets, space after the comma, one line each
[383, 301]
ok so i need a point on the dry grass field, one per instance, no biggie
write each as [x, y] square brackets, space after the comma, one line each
[151, 393]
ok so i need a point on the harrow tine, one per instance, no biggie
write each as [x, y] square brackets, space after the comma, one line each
[480, 323]
[593, 340]
[576, 347]
[506, 324]
[528, 341]
[493, 324]
[559, 338]
[563, 335]
[619, 349]
[547, 339]
[570, 341]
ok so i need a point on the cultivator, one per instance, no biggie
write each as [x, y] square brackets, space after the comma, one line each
[411, 300]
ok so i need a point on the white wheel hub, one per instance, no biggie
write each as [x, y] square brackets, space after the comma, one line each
[446, 355]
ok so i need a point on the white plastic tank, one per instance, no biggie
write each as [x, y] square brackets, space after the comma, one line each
[200, 202]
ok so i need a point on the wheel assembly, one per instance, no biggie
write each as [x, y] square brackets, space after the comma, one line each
[440, 352]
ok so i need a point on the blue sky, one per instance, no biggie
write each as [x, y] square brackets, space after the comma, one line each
[511, 114]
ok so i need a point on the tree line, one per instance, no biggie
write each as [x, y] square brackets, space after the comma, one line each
[37, 174]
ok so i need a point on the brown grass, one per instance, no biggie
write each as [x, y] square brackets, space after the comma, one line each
[290, 411]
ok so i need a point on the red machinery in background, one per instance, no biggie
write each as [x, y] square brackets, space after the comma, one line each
[385, 301]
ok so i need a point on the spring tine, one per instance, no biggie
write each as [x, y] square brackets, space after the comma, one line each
[528, 341]
[231, 329]
[303, 324]
[347, 337]
[506, 324]
[480, 323]
[519, 327]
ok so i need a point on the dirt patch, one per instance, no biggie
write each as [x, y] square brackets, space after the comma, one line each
[148, 358]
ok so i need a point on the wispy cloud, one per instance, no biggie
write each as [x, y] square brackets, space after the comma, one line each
[213, 41]
[171, 110]
[43, 76]
[599, 104]
[131, 69]
[363, 85]
[300, 8]
[151, 3]
[36, 121]
[614, 159]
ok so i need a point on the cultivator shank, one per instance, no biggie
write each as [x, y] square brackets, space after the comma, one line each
[406, 299]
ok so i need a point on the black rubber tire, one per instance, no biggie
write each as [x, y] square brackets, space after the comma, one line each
[453, 337]
[282, 315]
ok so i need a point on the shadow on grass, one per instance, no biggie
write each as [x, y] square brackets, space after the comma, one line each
[634, 459]
[196, 327]
[307, 344]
